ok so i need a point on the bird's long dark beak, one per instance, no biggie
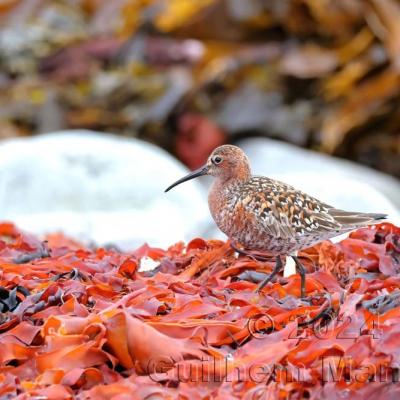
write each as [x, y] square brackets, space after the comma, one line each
[198, 172]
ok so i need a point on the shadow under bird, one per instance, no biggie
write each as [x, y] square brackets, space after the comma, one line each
[266, 215]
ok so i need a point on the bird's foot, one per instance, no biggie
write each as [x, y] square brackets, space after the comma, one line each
[278, 267]
[276, 270]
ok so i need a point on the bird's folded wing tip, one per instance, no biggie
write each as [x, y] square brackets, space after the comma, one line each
[379, 216]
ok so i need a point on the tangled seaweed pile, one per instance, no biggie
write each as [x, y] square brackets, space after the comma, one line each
[86, 323]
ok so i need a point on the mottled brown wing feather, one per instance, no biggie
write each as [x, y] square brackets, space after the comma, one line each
[286, 212]
[283, 211]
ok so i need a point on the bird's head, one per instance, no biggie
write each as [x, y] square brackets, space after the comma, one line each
[224, 163]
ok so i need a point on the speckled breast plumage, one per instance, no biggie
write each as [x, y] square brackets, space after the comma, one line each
[268, 215]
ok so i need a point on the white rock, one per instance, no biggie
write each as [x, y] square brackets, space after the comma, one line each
[98, 187]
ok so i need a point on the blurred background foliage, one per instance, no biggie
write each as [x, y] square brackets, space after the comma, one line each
[189, 75]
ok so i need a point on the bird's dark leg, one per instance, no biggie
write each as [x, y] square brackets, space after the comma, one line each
[302, 273]
[277, 268]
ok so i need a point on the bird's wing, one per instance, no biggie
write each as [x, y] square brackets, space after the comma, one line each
[278, 207]
[287, 213]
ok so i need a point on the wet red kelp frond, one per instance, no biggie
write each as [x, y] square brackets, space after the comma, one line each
[86, 323]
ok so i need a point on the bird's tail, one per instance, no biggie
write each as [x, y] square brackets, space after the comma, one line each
[377, 217]
[356, 219]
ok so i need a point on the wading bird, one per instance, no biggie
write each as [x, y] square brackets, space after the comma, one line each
[266, 215]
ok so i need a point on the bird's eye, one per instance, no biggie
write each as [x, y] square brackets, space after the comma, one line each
[217, 160]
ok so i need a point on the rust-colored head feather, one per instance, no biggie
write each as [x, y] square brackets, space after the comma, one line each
[229, 162]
